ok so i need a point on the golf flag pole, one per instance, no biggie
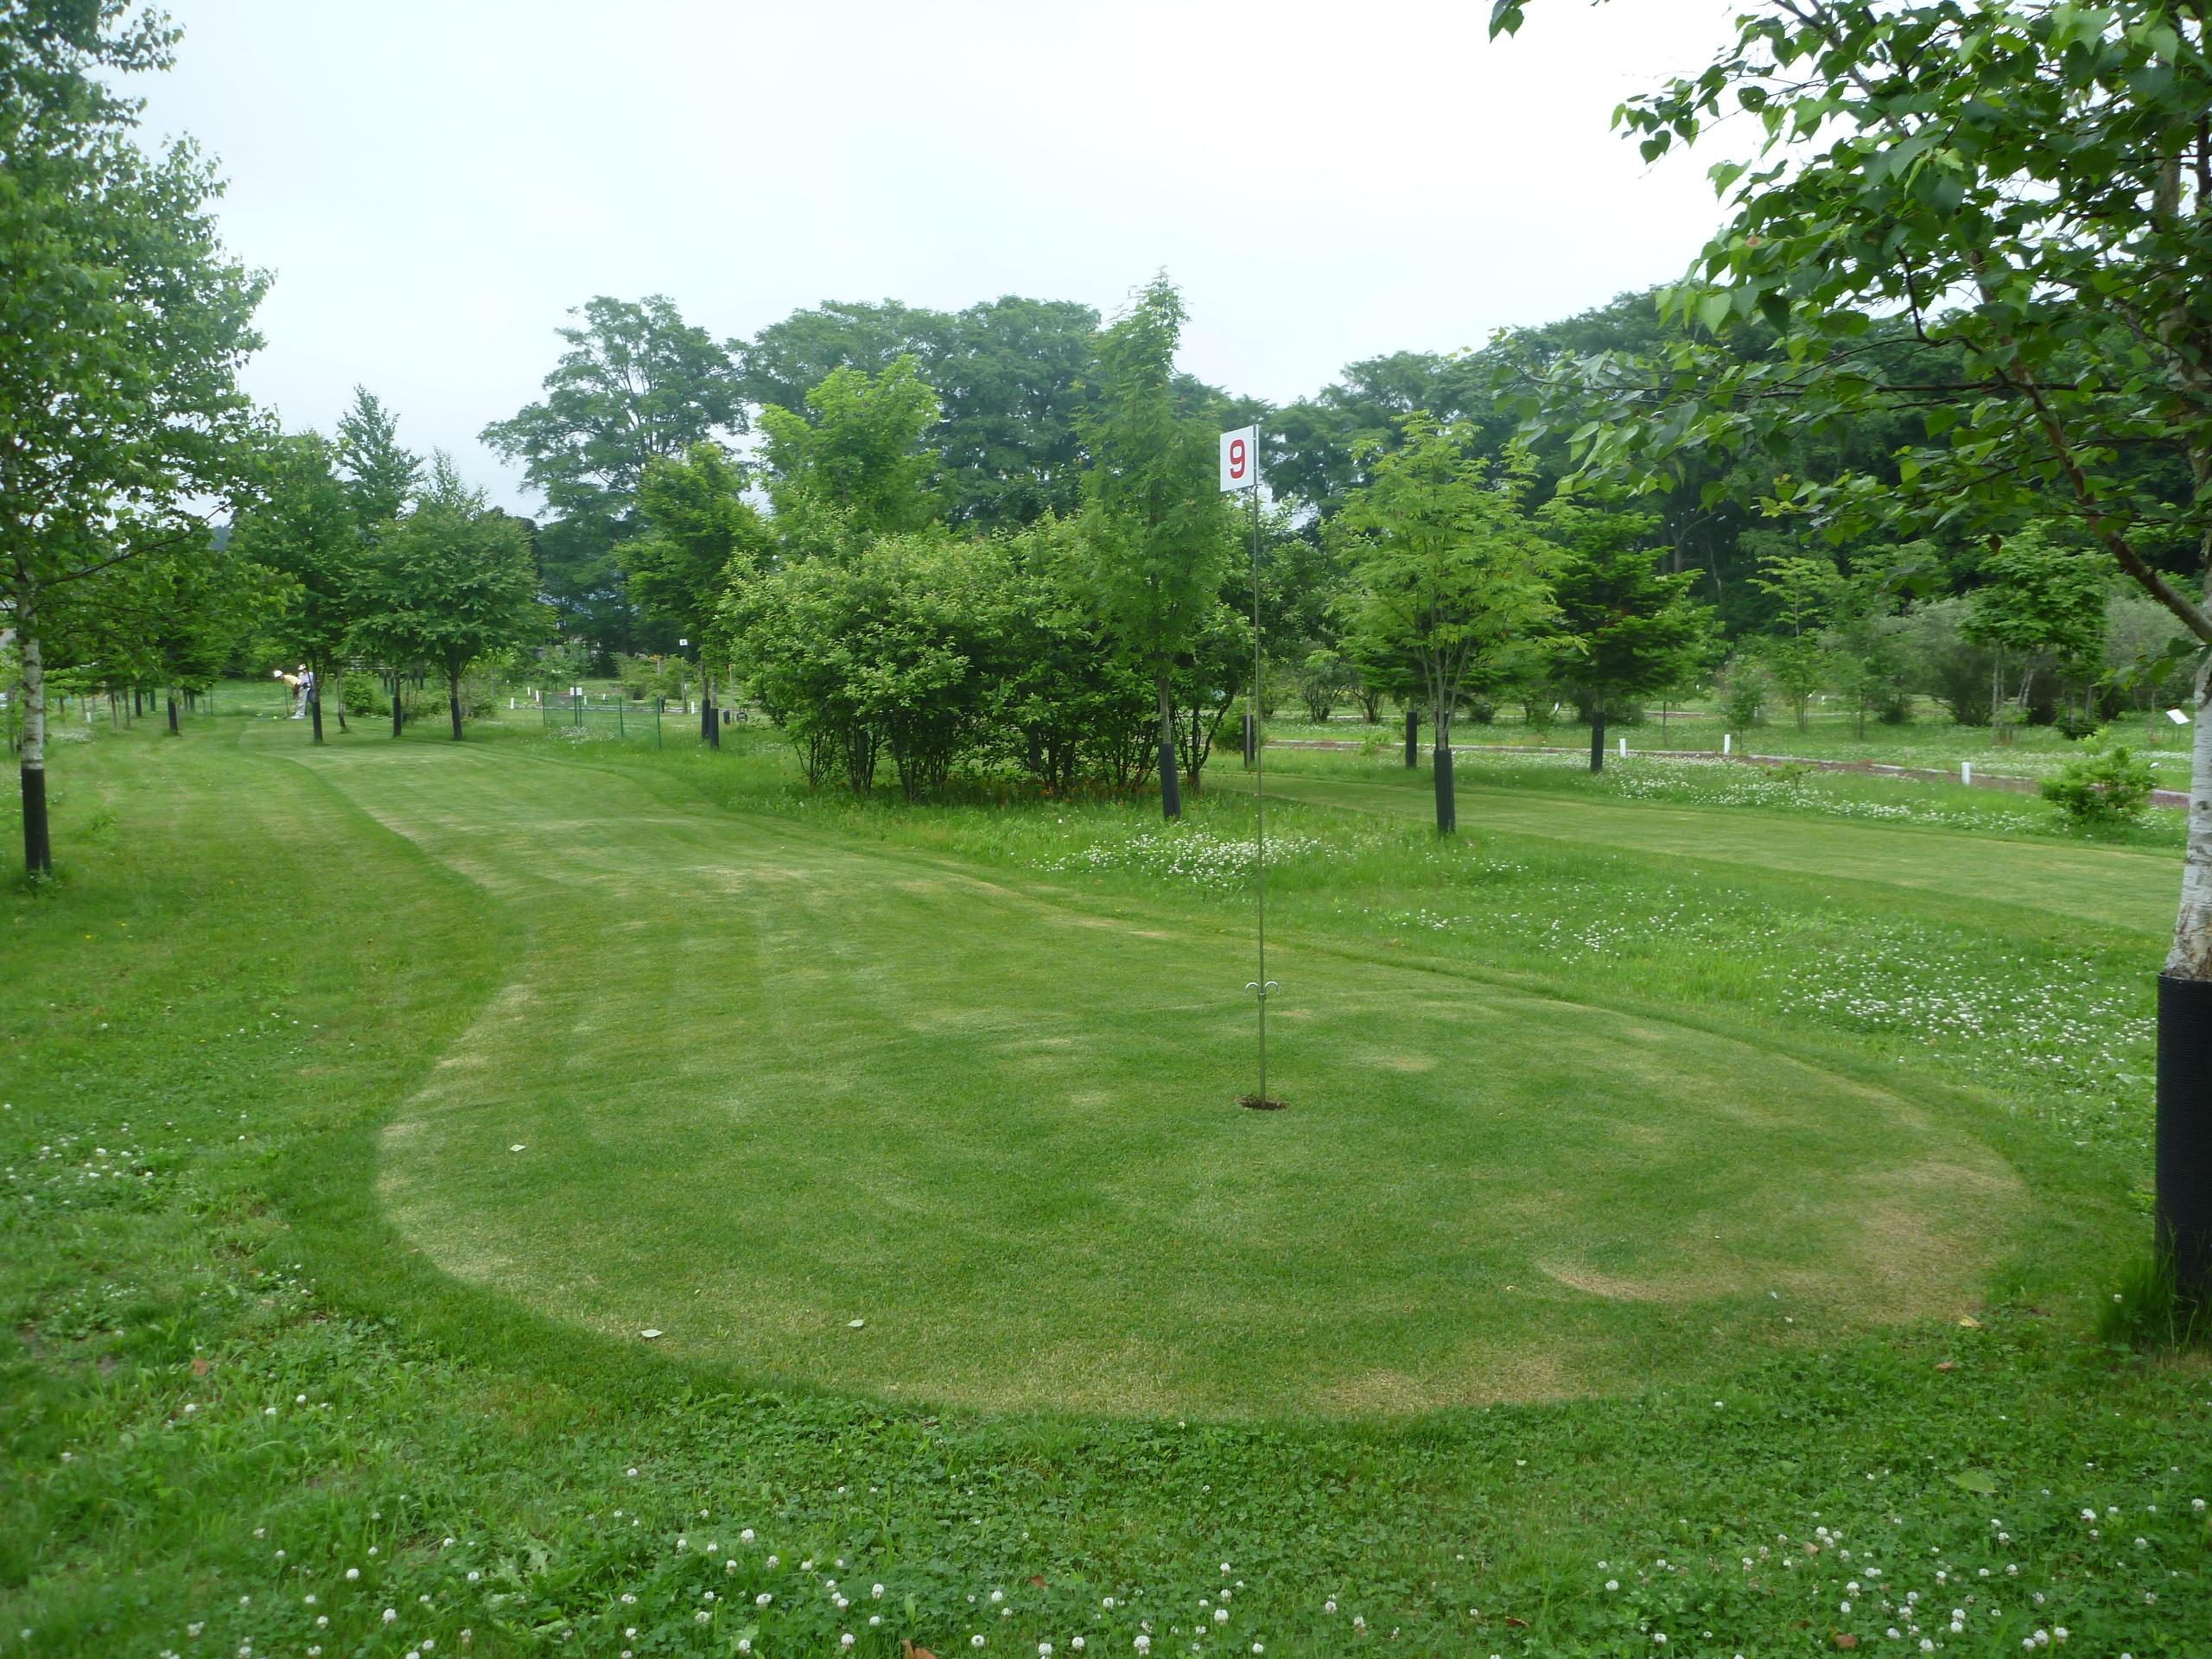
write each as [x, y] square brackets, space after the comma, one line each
[1240, 472]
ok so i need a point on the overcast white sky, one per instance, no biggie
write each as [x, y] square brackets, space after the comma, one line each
[434, 182]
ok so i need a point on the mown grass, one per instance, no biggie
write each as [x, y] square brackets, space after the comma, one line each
[256, 893]
[1930, 739]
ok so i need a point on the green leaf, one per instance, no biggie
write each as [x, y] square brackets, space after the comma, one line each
[1712, 310]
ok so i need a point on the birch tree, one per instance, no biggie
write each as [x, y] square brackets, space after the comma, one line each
[124, 324]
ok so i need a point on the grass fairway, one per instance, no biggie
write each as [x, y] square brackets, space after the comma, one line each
[765, 1083]
[1447, 1359]
[1960, 874]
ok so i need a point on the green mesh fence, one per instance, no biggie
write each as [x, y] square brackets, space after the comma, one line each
[609, 722]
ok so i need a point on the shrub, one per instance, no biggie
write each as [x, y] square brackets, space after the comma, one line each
[2100, 789]
[1745, 697]
[2076, 723]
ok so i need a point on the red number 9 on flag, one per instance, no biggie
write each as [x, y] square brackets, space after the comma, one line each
[1236, 458]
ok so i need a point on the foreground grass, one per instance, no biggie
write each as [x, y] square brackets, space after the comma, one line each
[237, 1382]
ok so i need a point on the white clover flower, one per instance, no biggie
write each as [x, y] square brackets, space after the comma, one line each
[762, 1599]
[846, 1640]
[745, 1537]
[1221, 1615]
[352, 1573]
[389, 1615]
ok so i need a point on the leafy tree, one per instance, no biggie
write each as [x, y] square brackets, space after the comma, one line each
[580, 561]
[2038, 596]
[126, 324]
[1950, 665]
[636, 383]
[1008, 374]
[1453, 577]
[202, 605]
[1626, 629]
[450, 583]
[700, 531]
[2146, 653]
[1868, 638]
[2023, 185]
[381, 473]
[169, 617]
[787, 360]
[854, 466]
[1010, 386]
[305, 526]
[1804, 589]
[1157, 531]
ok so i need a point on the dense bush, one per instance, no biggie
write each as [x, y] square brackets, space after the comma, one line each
[2101, 789]
[943, 654]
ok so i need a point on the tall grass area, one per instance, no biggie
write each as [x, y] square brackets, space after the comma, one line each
[247, 1410]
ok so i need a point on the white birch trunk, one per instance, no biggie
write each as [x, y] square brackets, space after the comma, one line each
[27, 643]
[2192, 956]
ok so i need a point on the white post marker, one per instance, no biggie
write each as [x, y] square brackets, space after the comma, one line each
[2176, 716]
[1240, 473]
[1728, 743]
[1965, 772]
[1624, 748]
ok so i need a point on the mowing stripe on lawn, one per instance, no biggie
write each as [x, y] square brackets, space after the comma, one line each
[750, 1082]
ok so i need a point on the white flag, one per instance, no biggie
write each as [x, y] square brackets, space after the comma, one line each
[1240, 459]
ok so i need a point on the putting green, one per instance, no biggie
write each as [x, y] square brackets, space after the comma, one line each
[830, 1112]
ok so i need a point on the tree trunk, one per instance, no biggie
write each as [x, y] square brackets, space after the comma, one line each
[38, 848]
[338, 684]
[1447, 800]
[453, 701]
[398, 709]
[1413, 737]
[1597, 738]
[173, 727]
[314, 708]
[712, 716]
[2184, 1154]
[1170, 797]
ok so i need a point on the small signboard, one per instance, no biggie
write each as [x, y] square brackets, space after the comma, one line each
[1240, 459]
